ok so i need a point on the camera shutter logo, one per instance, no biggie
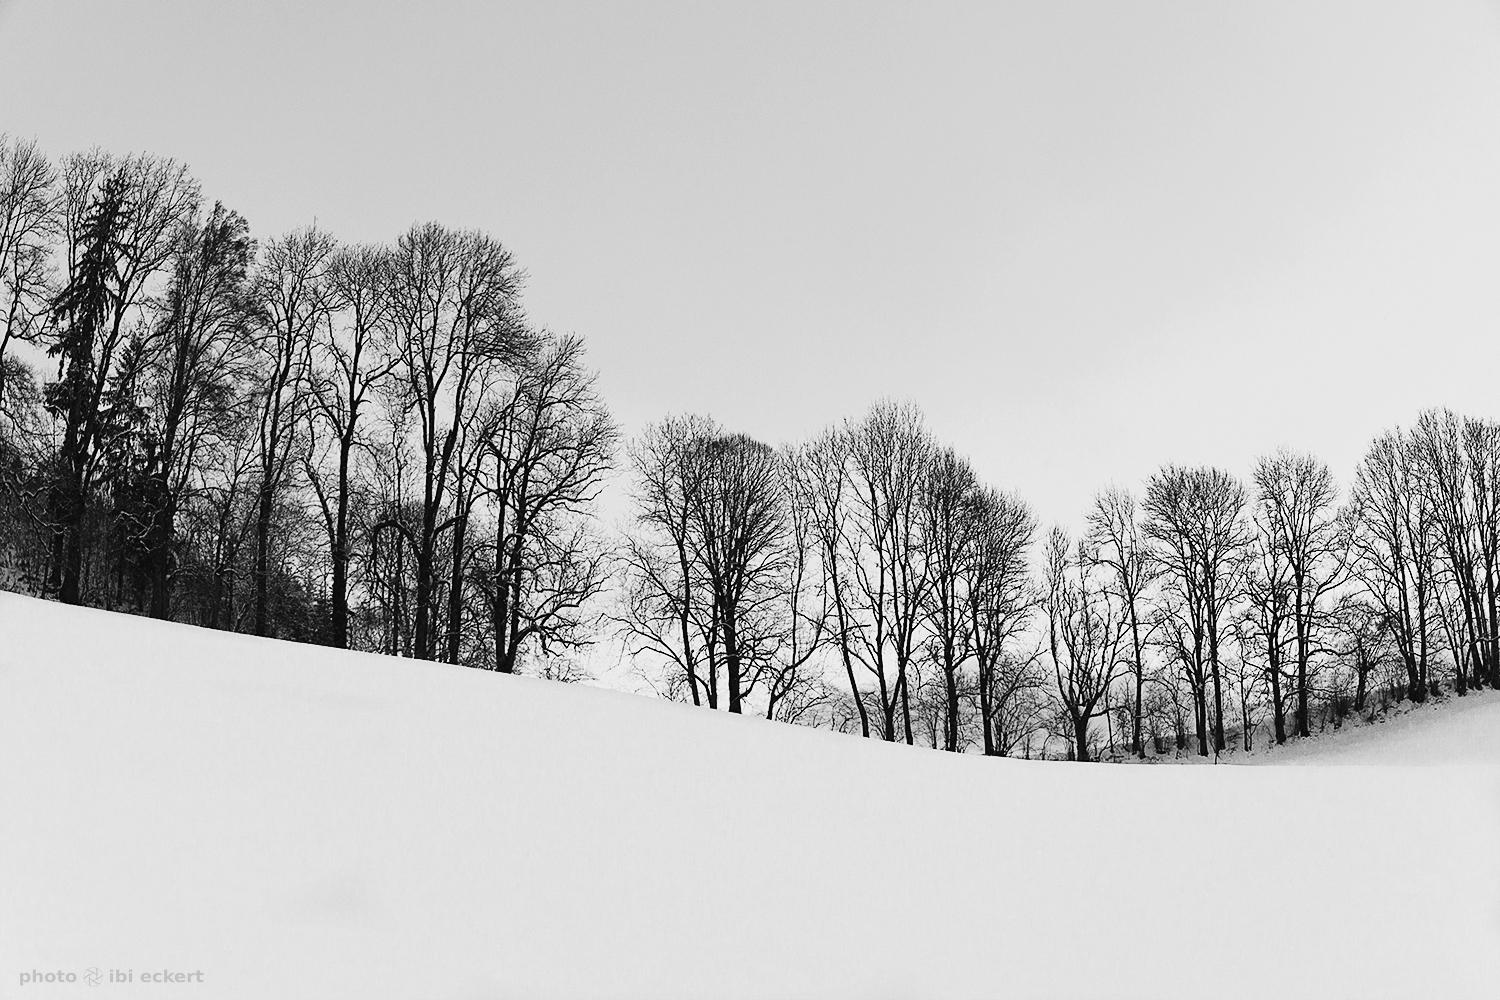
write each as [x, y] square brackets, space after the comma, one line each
[91, 976]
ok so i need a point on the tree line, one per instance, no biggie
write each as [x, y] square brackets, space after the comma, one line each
[368, 446]
[374, 447]
[869, 580]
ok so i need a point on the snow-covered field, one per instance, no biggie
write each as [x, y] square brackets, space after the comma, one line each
[298, 822]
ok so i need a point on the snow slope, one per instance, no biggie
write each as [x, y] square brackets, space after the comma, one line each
[1451, 731]
[298, 822]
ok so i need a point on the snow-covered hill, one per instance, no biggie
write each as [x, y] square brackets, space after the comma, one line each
[298, 822]
[1453, 730]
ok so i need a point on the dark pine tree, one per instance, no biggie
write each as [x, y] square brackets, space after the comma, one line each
[80, 314]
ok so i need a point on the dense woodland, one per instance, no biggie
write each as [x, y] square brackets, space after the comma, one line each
[375, 447]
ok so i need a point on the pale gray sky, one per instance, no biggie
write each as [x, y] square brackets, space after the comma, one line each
[1085, 238]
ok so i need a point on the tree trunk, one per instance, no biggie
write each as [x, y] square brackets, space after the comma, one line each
[905, 704]
[1081, 738]
[1213, 654]
[684, 619]
[950, 742]
[262, 561]
[1303, 728]
[68, 528]
[425, 559]
[66, 515]
[55, 516]
[732, 660]
[513, 584]
[887, 704]
[1136, 745]
[341, 548]
[1278, 708]
[1302, 721]
[859, 703]
[159, 547]
[456, 590]
[1200, 719]
[986, 710]
[838, 603]
[72, 577]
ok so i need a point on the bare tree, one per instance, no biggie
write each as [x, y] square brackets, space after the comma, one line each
[218, 520]
[1460, 463]
[1165, 711]
[1365, 642]
[800, 620]
[294, 302]
[29, 226]
[1196, 521]
[1180, 636]
[1298, 500]
[1084, 634]
[737, 520]
[1246, 683]
[395, 524]
[826, 468]
[951, 531]
[663, 613]
[711, 557]
[1265, 626]
[1018, 684]
[351, 359]
[456, 315]
[889, 452]
[1000, 600]
[1394, 549]
[194, 361]
[550, 442]
[1116, 540]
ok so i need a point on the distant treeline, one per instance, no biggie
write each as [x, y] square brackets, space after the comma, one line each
[374, 447]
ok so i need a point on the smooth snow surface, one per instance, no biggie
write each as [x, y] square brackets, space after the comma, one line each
[298, 822]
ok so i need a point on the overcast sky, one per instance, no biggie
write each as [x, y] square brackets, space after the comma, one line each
[1086, 239]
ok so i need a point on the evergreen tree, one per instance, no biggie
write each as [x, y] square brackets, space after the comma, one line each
[80, 314]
